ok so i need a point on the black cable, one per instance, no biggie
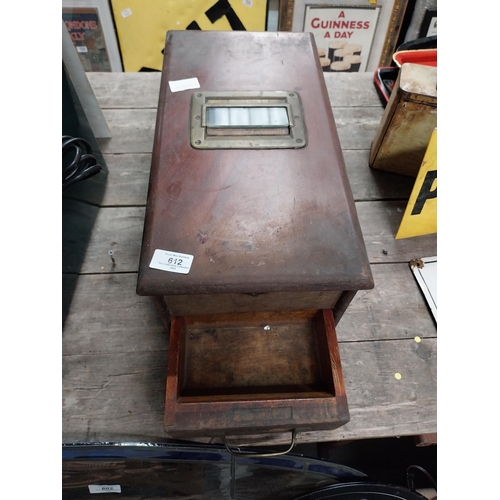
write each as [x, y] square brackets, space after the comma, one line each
[82, 164]
[411, 480]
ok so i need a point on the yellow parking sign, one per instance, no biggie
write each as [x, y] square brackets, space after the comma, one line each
[420, 216]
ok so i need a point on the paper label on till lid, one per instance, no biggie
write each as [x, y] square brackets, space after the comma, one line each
[186, 84]
[173, 262]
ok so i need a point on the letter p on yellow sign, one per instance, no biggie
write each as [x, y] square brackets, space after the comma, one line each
[420, 216]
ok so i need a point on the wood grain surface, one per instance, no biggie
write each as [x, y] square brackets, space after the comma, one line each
[115, 347]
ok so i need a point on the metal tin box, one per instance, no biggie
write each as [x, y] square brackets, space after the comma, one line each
[409, 119]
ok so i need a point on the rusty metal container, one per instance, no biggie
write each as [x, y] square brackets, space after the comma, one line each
[409, 119]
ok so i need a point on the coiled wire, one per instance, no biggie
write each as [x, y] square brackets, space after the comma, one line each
[82, 164]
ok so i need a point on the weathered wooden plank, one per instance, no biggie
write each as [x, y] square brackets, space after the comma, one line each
[379, 404]
[107, 316]
[132, 130]
[116, 318]
[394, 309]
[114, 345]
[120, 396]
[379, 222]
[357, 126]
[126, 90]
[352, 89]
[129, 176]
[115, 357]
[113, 396]
[368, 184]
[120, 229]
[141, 90]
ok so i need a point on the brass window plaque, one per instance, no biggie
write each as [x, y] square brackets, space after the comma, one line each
[247, 120]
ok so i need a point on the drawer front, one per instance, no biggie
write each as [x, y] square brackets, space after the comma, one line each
[186, 305]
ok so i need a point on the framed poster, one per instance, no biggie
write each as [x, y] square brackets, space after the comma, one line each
[90, 27]
[429, 24]
[373, 24]
[344, 35]
[285, 15]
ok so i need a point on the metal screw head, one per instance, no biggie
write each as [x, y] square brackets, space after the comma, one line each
[111, 253]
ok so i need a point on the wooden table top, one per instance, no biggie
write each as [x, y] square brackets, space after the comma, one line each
[115, 347]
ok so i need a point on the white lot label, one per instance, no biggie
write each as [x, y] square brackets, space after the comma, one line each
[173, 262]
[126, 12]
[188, 83]
[105, 488]
[82, 49]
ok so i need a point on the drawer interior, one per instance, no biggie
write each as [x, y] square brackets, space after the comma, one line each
[253, 356]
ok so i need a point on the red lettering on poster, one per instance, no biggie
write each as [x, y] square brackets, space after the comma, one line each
[317, 23]
[77, 35]
[80, 25]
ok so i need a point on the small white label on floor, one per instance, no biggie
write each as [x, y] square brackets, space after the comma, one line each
[426, 276]
[126, 12]
[173, 262]
[188, 83]
[105, 488]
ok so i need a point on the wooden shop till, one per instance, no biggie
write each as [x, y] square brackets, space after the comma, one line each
[251, 247]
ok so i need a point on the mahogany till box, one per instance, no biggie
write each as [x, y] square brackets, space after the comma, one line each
[251, 246]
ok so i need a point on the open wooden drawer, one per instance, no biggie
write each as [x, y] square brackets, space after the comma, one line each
[231, 374]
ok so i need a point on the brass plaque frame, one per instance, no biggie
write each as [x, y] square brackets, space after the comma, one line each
[249, 138]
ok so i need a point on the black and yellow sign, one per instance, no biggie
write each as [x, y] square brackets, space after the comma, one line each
[420, 216]
[142, 26]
